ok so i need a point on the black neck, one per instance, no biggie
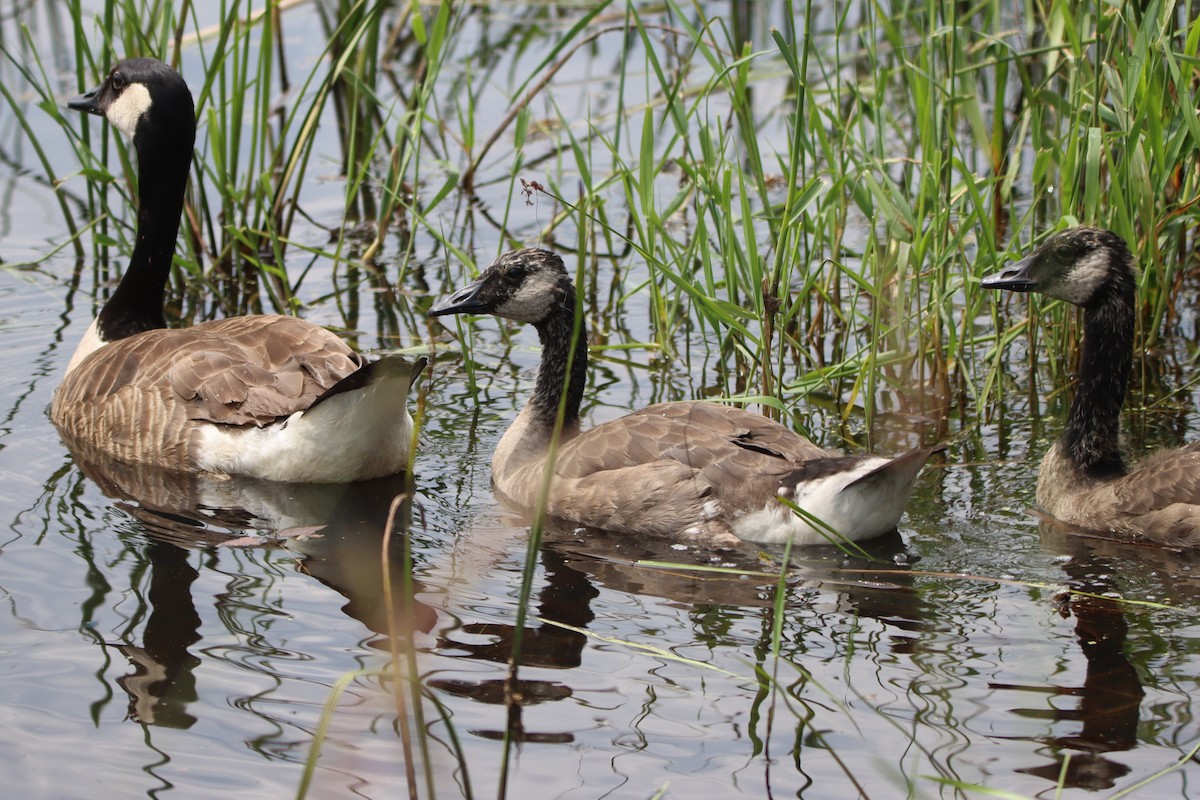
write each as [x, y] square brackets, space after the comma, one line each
[163, 165]
[1092, 435]
[556, 333]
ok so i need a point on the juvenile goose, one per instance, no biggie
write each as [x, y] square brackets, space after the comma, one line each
[270, 397]
[1083, 479]
[694, 471]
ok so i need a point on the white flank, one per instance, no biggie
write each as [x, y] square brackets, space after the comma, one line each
[128, 108]
[90, 343]
[351, 436]
[856, 513]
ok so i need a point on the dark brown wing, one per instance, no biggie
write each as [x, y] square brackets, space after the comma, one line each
[713, 451]
[255, 370]
[699, 435]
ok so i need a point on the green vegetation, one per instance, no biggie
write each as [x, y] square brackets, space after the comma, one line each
[805, 209]
[812, 202]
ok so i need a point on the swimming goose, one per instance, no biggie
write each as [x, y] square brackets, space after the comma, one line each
[1083, 479]
[268, 396]
[697, 472]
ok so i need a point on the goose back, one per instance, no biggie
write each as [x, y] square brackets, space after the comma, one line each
[148, 393]
[701, 472]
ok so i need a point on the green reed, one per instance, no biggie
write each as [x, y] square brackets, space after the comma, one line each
[811, 208]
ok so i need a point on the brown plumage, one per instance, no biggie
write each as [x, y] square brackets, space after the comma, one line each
[264, 396]
[1083, 479]
[148, 394]
[701, 472]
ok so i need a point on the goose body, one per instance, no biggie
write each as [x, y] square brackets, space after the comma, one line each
[1083, 479]
[265, 396]
[693, 471]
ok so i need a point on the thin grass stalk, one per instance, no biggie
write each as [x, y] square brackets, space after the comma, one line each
[406, 153]
[49, 104]
[400, 637]
[322, 730]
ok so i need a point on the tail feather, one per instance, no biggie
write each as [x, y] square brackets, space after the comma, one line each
[382, 369]
[907, 465]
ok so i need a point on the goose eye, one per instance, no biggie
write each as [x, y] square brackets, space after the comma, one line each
[118, 81]
[514, 274]
[1064, 250]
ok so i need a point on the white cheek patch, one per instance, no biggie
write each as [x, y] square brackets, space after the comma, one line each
[1084, 278]
[128, 108]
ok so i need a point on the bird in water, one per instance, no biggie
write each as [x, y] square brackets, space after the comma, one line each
[264, 396]
[1084, 480]
[697, 472]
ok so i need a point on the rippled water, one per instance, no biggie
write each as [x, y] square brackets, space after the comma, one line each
[131, 664]
[141, 654]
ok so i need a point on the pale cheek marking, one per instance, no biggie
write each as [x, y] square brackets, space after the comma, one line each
[126, 110]
[1085, 278]
[531, 301]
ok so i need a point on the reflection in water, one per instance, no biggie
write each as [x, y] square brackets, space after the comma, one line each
[1111, 695]
[162, 684]
[575, 563]
[565, 598]
[337, 530]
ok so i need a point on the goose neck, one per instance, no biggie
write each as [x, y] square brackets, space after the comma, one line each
[137, 303]
[563, 369]
[1092, 434]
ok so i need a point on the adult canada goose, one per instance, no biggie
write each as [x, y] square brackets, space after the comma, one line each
[268, 396]
[694, 471]
[1083, 479]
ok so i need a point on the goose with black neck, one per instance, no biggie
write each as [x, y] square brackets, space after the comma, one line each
[263, 396]
[697, 472]
[1084, 480]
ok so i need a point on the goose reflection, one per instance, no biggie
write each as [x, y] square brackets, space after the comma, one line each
[576, 562]
[336, 530]
[1109, 700]
[162, 684]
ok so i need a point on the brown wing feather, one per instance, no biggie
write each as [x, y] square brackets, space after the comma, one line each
[672, 457]
[1164, 479]
[702, 436]
[650, 498]
[137, 395]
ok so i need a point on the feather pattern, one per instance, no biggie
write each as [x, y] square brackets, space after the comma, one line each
[696, 471]
[264, 396]
[1083, 479]
[142, 391]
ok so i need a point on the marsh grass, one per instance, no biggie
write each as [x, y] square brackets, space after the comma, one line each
[809, 205]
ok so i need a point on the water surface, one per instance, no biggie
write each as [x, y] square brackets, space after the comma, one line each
[183, 638]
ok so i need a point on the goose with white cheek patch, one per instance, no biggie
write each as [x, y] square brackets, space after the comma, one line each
[1083, 480]
[266, 396]
[696, 472]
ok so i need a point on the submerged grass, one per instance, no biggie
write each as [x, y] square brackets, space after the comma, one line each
[807, 195]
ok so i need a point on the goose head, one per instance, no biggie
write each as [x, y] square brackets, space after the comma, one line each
[1079, 265]
[527, 285]
[145, 100]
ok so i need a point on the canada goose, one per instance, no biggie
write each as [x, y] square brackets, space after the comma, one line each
[695, 471]
[1083, 479]
[268, 396]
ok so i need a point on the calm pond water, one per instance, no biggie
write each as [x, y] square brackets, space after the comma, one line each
[143, 655]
